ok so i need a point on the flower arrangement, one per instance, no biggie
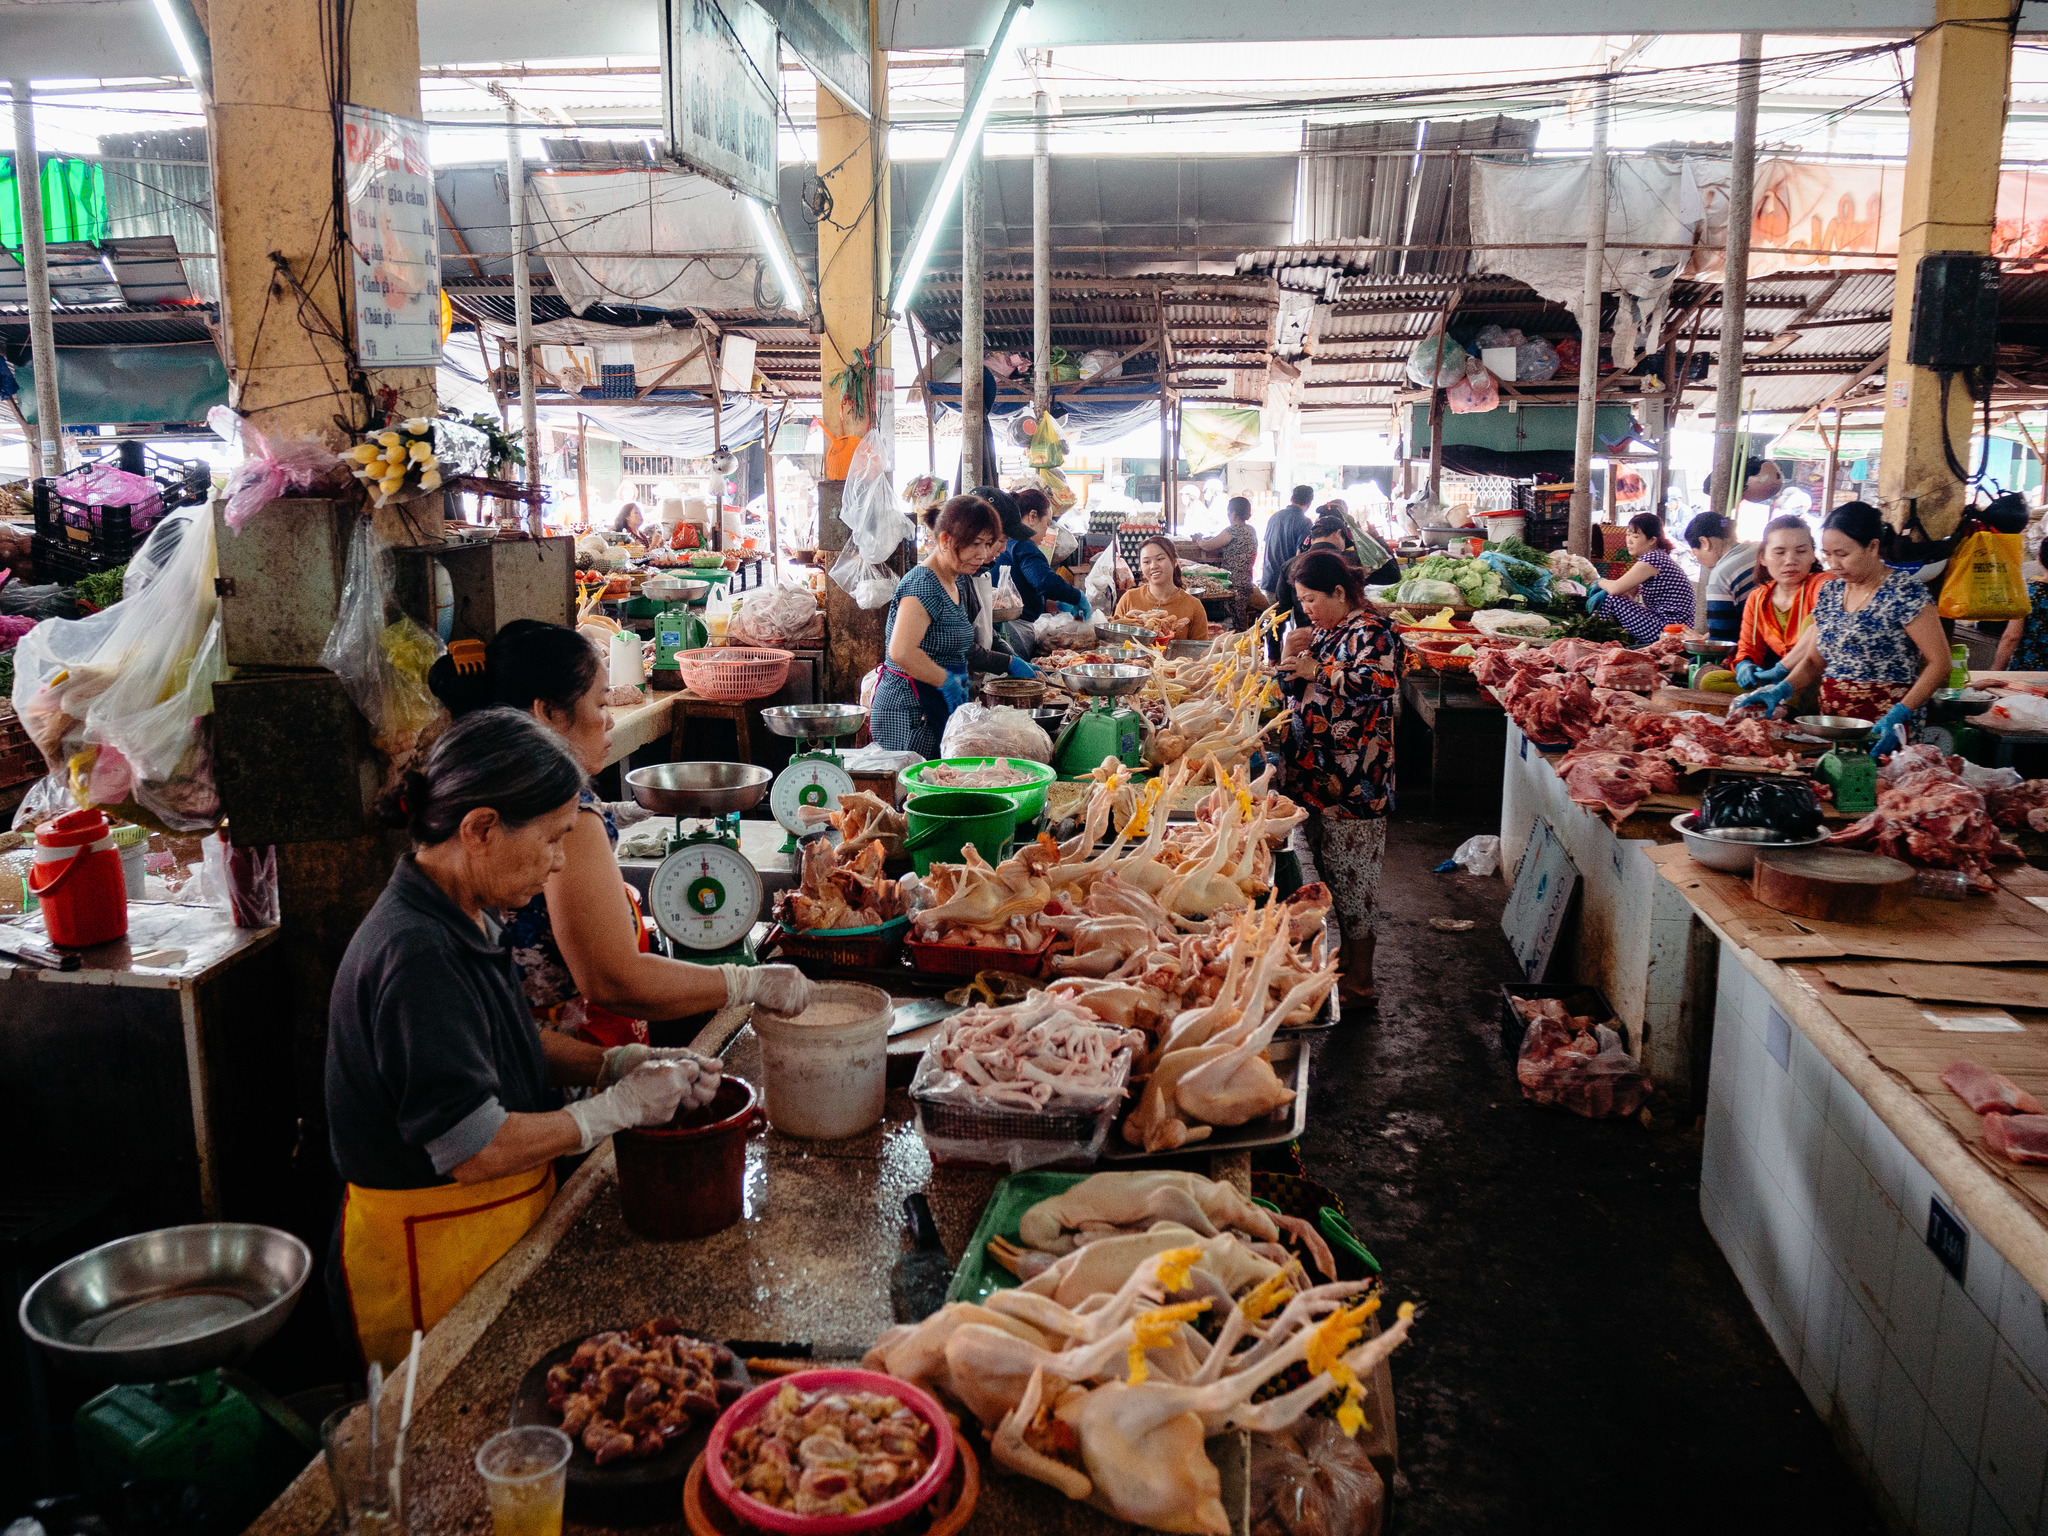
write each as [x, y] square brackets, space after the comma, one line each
[398, 462]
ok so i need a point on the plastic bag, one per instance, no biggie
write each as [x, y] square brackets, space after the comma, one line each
[1006, 602]
[1983, 580]
[1062, 631]
[1784, 806]
[272, 467]
[867, 582]
[1048, 449]
[1436, 361]
[101, 485]
[982, 605]
[1526, 581]
[1100, 582]
[1535, 361]
[1420, 589]
[1312, 1479]
[116, 701]
[382, 662]
[241, 882]
[1476, 392]
[981, 730]
[779, 619]
[1494, 336]
[1499, 622]
[1478, 855]
[2011, 708]
[1579, 1065]
[49, 601]
[1062, 496]
[868, 507]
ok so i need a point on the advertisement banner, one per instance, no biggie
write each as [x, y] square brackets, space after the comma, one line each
[394, 239]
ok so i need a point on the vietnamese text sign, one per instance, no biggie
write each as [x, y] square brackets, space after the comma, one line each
[394, 239]
[718, 68]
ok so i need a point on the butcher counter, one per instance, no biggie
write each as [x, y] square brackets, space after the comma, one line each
[810, 1261]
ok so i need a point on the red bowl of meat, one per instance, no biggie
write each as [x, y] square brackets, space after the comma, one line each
[771, 1436]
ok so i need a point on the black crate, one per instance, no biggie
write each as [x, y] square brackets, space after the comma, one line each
[74, 531]
[1546, 533]
[1576, 999]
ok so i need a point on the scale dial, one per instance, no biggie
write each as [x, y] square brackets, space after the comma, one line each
[816, 781]
[1939, 736]
[705, 896]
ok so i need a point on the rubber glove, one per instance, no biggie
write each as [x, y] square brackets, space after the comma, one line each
[778, 988]
[1892, 729]
[954, 690]
[1594, 599]
[1765, 699]
[650, 1094]
[620, 1060]
[1019, 667]
[1084, 609]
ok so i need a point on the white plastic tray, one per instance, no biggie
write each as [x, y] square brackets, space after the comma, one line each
[1290, 1058]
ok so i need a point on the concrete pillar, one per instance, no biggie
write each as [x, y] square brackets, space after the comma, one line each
[273, 170]
[1727, 473]
[1962, 72]
[853, 289]
[973, 408]
[46, 444]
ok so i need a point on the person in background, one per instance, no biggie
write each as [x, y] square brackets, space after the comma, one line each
[1779, 608]
[1024, 524]
[1878, 647]
[1340, 676]
[1651, 593]
[1728, 570]
[2023, 646]
[1286, 532]
[1761, 482]
[1334, 529]
[929, 634]
[629, 520]
[1235, 549]
[992, 650]
[1160, 587]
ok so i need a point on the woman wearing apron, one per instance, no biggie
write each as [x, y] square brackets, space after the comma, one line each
[444, 1106]
[581, 947]
[930, 633]
[1879, 652]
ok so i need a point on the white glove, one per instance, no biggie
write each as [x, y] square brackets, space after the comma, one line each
[650, 1094]
[622, 1059]
[779, 988]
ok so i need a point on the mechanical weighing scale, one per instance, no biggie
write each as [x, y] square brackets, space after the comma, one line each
[1707, 656]
[815, 777]
[1947, 709]
[1847, 766]
[705, 895]
[679, 625]
[1105, 729]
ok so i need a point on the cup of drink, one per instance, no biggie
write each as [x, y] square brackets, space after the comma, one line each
[525, 1471]
[366, 1492]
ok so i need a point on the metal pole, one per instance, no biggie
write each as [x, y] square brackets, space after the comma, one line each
[522, 291]
[973, 409]
[768, 463]
[1041, 262]
[1735, 279]
[583, 469]
[46, 443]
[1436, 447]
[1579, 533]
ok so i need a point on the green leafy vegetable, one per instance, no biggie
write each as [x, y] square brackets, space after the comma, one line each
[102, 588]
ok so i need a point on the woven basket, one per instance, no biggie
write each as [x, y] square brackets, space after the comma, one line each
[1442, 658]
[733, 672]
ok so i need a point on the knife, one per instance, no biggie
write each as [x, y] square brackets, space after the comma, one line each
[918, 1283]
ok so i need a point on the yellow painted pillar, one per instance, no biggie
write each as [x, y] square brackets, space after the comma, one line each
[853, 294]
[1962, 71]
[274, 129]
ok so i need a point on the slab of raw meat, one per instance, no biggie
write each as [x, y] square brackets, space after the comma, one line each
[1614, 781]
[2019, 1138]
[1987, 1092]
[1630, 670]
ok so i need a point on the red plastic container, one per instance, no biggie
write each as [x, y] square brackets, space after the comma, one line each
[688, 1179]
[77, 879]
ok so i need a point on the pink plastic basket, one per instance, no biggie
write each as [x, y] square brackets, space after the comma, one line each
[730, 672]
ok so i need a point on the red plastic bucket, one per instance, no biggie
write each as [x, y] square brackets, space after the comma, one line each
[78, 881]
[688, 1178]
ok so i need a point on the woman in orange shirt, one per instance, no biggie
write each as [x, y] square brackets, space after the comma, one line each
[1780, 606]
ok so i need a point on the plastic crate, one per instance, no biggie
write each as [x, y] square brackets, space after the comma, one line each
[77, 538]
[20, 762]
[972, 959]
[976, 1136]
[851, 948]
[1577, 999]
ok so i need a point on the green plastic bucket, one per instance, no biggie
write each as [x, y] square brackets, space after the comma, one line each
[1028, 797]
[943, 822]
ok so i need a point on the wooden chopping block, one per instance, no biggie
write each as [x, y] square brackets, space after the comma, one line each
[1669, 701]
[1841, 885]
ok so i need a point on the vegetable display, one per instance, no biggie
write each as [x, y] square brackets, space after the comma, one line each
[1478, 583]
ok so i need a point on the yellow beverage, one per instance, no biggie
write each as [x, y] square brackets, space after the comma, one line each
[525, 1472]
[528, 1508]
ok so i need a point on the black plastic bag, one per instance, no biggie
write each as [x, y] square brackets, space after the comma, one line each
[1785, 806]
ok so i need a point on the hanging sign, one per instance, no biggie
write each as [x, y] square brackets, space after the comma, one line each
[831, 37]
[394, 239]
[718, 70]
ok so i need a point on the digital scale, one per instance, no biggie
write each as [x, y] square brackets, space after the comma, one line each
[1948, 708]
[705, 896]
[1105, 728]
[1848, 766]
[815, 778]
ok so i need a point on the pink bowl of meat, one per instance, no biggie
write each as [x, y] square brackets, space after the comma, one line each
[828, 1452]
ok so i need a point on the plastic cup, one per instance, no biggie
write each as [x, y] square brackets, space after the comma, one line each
[525, 1472]
[364, 1490]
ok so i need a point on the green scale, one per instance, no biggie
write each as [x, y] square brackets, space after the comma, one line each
[1707, 656]
[1106, 728]
[815, 778]
[705, 895]
[1848, 767]
[679, 623]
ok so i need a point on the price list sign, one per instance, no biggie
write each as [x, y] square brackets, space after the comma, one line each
[394, 239]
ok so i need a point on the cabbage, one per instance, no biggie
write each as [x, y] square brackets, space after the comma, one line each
[1421, 589]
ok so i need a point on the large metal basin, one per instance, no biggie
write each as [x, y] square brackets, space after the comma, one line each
[814, 722]
[168, 1303]
[699, 789]
[1104, 679]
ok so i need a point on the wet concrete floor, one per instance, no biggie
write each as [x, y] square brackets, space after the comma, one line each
[1587, 1362]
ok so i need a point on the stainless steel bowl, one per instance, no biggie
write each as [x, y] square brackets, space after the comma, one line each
[1707, 649]
[670, 589]
[1439, 537]
[1961, 703]
[1104, 679]
[1116, 631]
[699, 789]
[1733, 849]
[1126, 655]
[1189, 650]
[814, 722]
[1835, 727]
[168, 1303]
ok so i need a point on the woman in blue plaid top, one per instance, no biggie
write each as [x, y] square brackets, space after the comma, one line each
[930, 631]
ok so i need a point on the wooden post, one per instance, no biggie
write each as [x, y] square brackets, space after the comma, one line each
[1579, 534]
[1671, 399]
[46, 443]
[1436, 446]
[1728, 476]
[1827, 487]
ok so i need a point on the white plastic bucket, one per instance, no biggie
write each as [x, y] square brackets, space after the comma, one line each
[825, 1071]
[1505, 525]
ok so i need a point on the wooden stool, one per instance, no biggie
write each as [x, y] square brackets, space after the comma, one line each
[694, 706]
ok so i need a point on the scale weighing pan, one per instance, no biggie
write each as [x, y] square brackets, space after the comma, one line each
[1105, 679]
[1707, 650]
[669, 589]
[699, 789]
[1962, 703]
[1118, 631]
[1835, 727]
[814, 722]
[1125, 655]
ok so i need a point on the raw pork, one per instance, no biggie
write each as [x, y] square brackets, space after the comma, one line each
[2013, 808]
[1616, 782]
[2020, 1138]
[1930, 817]
[1577, 1064]
[1631, 670]
[1988, 1093]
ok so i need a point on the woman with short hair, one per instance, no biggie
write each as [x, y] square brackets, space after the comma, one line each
[929, 634]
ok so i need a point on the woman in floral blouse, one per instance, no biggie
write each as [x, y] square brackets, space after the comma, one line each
[1340, 678]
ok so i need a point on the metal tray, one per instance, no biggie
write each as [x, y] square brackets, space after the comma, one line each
[1274, 1131]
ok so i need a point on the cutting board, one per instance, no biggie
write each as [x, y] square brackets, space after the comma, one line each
[1837, 885]
[1669, 701]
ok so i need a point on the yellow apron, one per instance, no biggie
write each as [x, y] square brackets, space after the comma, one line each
[408, 1255]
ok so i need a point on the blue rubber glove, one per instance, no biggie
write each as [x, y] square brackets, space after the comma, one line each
[1019, 667]
[1594, 599]
[1766, 699]
[1892, 729]
[1745, 675]
[1749, 675]
[1084, 609]
[954, 690]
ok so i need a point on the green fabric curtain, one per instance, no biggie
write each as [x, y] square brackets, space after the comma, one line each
[133, 385]
[74, 201]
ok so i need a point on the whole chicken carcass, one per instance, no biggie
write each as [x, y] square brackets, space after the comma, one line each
[1240, 1084]
[1126, 1201]
[1103, 1266]
[1102, 944]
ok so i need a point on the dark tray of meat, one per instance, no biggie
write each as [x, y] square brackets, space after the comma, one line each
[639, 1405]
[1514, 1024]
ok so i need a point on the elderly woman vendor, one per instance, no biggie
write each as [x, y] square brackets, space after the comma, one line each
[444, 1101]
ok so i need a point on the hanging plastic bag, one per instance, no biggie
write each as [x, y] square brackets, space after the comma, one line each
[1062, 495]
[1100, 584]
[1436, 361]
[1048, 448]
[273, 467]
[984, 610]
[870, 585]
[382, 660]
[868, 507]
[1983, 580]
[1475, 392]
[1006, 602]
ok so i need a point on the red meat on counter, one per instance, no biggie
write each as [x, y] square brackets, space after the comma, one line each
[1616, 782]
[1987, 1092]
[2018, 1138]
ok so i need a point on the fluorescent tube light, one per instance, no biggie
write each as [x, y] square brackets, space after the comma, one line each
[176, 28]
[769, 228]
[926, 235]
